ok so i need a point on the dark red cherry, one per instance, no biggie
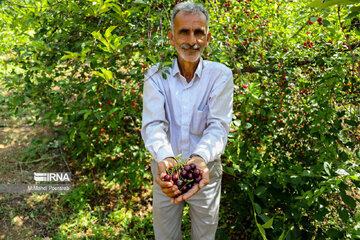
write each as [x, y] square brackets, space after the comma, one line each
[167, 177]
[198, 179]
[175, 177]
[196, 172]
[184, 173]
[190, 176]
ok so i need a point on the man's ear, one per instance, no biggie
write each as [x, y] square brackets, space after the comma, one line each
[208, 39]
[171, 37]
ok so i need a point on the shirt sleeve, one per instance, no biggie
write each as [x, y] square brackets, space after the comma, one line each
[154, 130]
[214, 139]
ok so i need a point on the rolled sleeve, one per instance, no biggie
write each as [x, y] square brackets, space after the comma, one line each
[214, 139]
[155, 127]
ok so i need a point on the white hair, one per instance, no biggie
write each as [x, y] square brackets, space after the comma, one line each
[189, 7]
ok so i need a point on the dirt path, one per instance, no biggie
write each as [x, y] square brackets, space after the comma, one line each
[24, 216]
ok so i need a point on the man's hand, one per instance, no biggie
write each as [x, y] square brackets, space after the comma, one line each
[168, 188]
[205, 175]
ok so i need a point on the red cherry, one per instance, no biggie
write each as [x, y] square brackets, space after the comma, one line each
[196, 172]
[184, 173]
[167, 177]
[175, 177]
[180, 183]
[198, 179]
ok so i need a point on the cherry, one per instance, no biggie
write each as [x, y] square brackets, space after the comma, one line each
[196, 172]
[180, 183]
[187, 167]
[190, 176]
[175, 177]
[167, 177]
[185, 189]
[184, 173]
[198, 179]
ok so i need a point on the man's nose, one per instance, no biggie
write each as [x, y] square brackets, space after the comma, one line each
[192, 39]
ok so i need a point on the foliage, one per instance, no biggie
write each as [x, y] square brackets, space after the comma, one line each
[295, 134]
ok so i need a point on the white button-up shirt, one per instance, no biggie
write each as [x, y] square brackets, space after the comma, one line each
[187, 118]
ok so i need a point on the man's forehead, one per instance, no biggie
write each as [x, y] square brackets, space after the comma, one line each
[190, 20]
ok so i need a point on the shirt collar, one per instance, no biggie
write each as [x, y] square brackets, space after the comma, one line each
[176, 69]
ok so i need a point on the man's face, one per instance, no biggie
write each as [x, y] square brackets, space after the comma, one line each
[189, 31]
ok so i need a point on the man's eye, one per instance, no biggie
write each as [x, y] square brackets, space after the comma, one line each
[199, 33]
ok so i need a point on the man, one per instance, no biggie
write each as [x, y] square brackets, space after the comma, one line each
[189, 113]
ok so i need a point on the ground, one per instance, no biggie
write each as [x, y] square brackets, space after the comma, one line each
[23, 216]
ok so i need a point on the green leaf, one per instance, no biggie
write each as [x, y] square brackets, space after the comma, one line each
[352, 15]
[351, 122]
[107, 74]
[260, 190]
[70, 55]
[348, 200]
[269, 223]
[335, 234]
[140, 2]
[116, 8]
[296, 180]
[86, 115]
[72, 135]
[98, 36]
[262, 231]
[326, 23]
[313, 19]
[237, 123]
[257, 208]
[114, 110]
[344, 214]
[247, 126]
[229, 171]
[104, 8]
[98, 74]
[83, 135]
[327, 168]
[108, 32]
[153, 59]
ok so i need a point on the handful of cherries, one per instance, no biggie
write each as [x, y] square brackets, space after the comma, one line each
[183, 175]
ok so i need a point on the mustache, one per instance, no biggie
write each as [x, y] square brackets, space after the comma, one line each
[187, 46]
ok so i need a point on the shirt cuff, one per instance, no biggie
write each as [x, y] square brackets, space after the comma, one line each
[164, 152]
[204, 154]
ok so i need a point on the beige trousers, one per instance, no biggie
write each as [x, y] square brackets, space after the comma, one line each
[203, 208]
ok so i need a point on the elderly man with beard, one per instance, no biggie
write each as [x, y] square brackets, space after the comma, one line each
[189, 113]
